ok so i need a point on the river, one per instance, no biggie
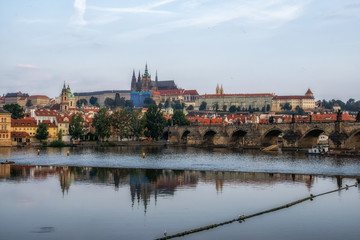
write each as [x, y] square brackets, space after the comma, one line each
[115, 193]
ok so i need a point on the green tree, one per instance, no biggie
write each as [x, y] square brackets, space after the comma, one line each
[190, 107]
[148, 102]
[179, 118]
[154, 122]
[81, 102]
[42, 132]
[76, 126]
[137, 124]
[216, 106]
[286, 107]
[268, 107]
[232, 109]
[161, 106]
[93, 101]
[29, 103]
[121, 123]
[102, 124]
[109, 102]
[167, 103]
[224, 108]
[299, 110]
[202, 106]
[60, 135]
[129, 104]
[176, 105]
[15, 109]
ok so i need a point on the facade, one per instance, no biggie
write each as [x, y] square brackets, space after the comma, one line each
[306, 102]
[244, 101]
[102, 95]
[145, 84]
[138, 98]
[22, 130]
[67, 100]
[188, 97]
[5, 128]
[39, 100]
[19, 98]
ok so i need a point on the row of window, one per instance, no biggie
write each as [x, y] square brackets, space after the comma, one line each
[25, 129]
[4, 136]
[3, 127]
[3, 119]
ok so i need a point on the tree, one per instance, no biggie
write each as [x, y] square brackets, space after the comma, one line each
[76, 126]
[15, 109]
[286, 106]
[148, 102]
[121, 122]
[216, 106]
[161, 106]
[60, 135]
[202, 106]
[224, 108]
[136, 124]
[102, 124]
[180, 119]
[29, 103]
[177, 105]
[154, 122]
[93, 100]
[232, 109]
[268, 107]
[81, 102]
[299, 110]
[129, 104]
[109, 102]
[167, 103]
[190, 107]
[42, 132]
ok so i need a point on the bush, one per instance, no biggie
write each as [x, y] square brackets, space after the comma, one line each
[57, 143]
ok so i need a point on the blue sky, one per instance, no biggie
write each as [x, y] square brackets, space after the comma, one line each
[258, 46]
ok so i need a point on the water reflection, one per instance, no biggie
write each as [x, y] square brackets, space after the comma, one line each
[148, 183]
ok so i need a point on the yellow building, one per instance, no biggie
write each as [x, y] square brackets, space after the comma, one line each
[52, 129]
[23, 130]
[306, 102]
[5, 128]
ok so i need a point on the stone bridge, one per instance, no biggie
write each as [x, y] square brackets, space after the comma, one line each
[345, 135]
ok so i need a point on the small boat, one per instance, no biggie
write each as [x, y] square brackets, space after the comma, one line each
[319, 150]
[7, 162]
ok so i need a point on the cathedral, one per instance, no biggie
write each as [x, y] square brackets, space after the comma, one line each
[145, 84]
[67, 100]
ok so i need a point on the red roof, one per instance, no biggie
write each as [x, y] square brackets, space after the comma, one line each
[19, 134]
[239, 95]
[308, 92]
[39, 96]
[191, 92]
[26, 122]
[293, 97]
[48, 123]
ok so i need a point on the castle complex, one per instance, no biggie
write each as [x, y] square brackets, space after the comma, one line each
[145, 84]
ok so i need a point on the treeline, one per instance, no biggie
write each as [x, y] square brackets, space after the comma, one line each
[350, 105]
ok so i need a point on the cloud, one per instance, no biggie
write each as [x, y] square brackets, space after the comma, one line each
[26, 66]
[272, 13]
[139, 9]
[80, 9]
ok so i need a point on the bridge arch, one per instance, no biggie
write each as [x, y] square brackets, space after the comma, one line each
[183, 139]
[311, 137]
[271, 137]
[238, 138]
[208, 138]
[354, 140]
[165, 135]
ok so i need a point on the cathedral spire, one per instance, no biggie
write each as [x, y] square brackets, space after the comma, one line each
[146, 74]
[133, 82]
[217, 89]
[221, 90]
[156, 78]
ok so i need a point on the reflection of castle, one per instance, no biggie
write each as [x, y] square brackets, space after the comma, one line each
[147, 183]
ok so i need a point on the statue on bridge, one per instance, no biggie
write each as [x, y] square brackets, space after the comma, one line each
[358, 117]
[339, 116]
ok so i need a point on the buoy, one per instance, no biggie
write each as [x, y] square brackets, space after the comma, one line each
[67, 152]
[143, 154]
[38, 151]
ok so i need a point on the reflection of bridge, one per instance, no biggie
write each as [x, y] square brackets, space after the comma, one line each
[293, 135]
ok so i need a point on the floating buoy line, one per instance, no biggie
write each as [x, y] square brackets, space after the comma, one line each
[242, 218]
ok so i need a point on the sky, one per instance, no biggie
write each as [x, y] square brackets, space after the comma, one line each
[258, 46]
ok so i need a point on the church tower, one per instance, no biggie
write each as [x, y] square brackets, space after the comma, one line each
[217, 89]
[145, 80]
[221, 90]
[67, 99]
[133, 82]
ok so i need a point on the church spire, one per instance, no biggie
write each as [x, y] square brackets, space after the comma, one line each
[133, 82]
[156, 78]
[221, 90]
[146, 74]
[217, 89]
